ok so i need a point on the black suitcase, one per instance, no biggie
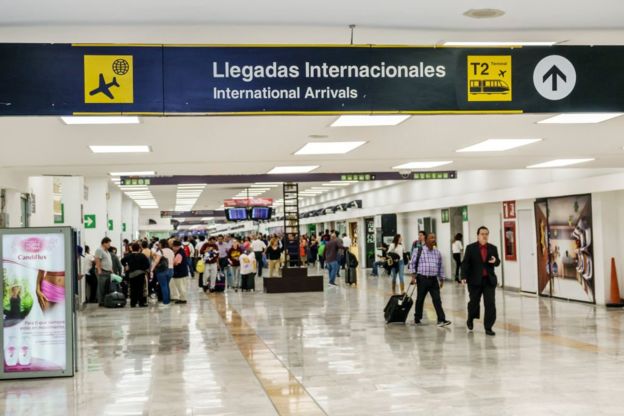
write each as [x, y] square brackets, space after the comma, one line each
[114, 298]
[398, 307]
[220, 282]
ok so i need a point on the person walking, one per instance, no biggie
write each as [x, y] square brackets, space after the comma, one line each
[321, 253]
[258, 247]
[104, 268]
[429, 276]
[331, 257]
[274, 253]
[180, 273]
[163, 270]
[395, 251]
[234, 254]
[211, 260]
[136, 265]
[477, 270]
[189, 253]
[457, 248]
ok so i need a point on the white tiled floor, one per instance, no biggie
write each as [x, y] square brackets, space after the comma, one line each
[549, 358]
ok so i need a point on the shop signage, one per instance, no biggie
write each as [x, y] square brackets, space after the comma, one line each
[241, 79]
[37, 320]
[248, 202]
[435, 175]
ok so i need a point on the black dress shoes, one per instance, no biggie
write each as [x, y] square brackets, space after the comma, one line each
[470, 325]
[490, 332]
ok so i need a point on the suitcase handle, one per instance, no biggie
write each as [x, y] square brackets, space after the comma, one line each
[407, 294]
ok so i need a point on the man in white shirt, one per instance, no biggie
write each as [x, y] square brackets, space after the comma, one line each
[258, 247]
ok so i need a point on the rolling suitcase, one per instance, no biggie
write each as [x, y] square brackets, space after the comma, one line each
[220, 282]
[351, 272]
[114, 298]
[248, 282]
[398, 307]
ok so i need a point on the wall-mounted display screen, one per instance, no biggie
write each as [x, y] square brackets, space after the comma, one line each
[236, 214]
[261, 213]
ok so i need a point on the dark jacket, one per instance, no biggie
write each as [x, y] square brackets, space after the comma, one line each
[472, 265]
[135, 262]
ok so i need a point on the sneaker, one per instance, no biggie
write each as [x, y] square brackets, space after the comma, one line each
[442, 324]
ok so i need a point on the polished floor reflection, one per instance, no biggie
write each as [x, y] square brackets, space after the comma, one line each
[330, 353]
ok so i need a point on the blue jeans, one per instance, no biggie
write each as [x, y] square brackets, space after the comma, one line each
[333, 271]
[163, 280]
[376, 267]
[400, 270]
[189, 262]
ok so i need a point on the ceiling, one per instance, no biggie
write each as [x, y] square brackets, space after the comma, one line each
[252, 145]
[446, 14]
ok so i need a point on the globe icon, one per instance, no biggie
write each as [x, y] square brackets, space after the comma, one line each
[121, 67]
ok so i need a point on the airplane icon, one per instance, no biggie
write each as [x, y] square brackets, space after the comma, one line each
[501, 73]
[104, 87]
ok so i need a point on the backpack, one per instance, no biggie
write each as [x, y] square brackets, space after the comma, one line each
[187, 250]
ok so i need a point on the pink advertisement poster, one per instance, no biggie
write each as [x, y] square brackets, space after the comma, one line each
[34, 302]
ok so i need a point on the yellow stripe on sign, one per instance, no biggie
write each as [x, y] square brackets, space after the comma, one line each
[338, 113]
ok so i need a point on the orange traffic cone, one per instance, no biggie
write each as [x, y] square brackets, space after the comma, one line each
[615, 301]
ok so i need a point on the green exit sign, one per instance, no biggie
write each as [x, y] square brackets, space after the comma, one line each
[435, 175]
[136, 181]
[357, 177]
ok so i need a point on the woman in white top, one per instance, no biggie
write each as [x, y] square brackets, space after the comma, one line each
[458, 248]
[396, 251]
[164, 274]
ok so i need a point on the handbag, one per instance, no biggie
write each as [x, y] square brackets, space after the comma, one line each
[200, 267]
[136, 273]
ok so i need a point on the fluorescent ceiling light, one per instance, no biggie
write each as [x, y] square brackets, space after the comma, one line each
[369, 121]
[192, 186]
[293, 169]
[580, 118]
[266, 184]
[101, 120]
[142, 173]
[557, 163]
[499, 43]
[498, 145]
[120, 149]
[423, 165]
[328, 148]
[333, 184]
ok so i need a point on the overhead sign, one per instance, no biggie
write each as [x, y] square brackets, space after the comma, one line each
[248, 202]
[451, 174]
[509, 210]
[360, 177]
[554, 77]
[135, 181]
[172, 79]
[192, 214]
[89, 221]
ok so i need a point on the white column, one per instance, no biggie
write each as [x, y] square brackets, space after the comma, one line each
[127, 209]
[41, 188]
[96, 204]
[114, 214]
[73, 200]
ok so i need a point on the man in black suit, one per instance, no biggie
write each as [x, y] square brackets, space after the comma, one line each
[477, 270]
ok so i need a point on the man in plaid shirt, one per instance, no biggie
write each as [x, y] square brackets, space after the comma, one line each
[427, 266]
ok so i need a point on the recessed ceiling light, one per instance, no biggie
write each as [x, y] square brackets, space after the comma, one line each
[580, 118]
[557, 163]
[423, 165]
[498, 145]
[338, 183]
[101, 120]
[143, 173]
[120, 149]
[484, 13]
[328, 148]
[293, 169]
[264, 185]
[501, 44]
[369, 121]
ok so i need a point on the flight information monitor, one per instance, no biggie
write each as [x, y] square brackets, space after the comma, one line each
[236, 214]
[261, 213]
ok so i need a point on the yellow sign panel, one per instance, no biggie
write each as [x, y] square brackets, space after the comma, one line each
[489, 78]
[108, 79]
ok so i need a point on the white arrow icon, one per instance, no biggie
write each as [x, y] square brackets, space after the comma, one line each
[554, 77]
[89, 221]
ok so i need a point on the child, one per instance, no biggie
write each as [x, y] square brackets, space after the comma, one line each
[248, 270]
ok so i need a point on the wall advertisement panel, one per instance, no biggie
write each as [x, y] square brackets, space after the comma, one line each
[37, 297]
[564, 247]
